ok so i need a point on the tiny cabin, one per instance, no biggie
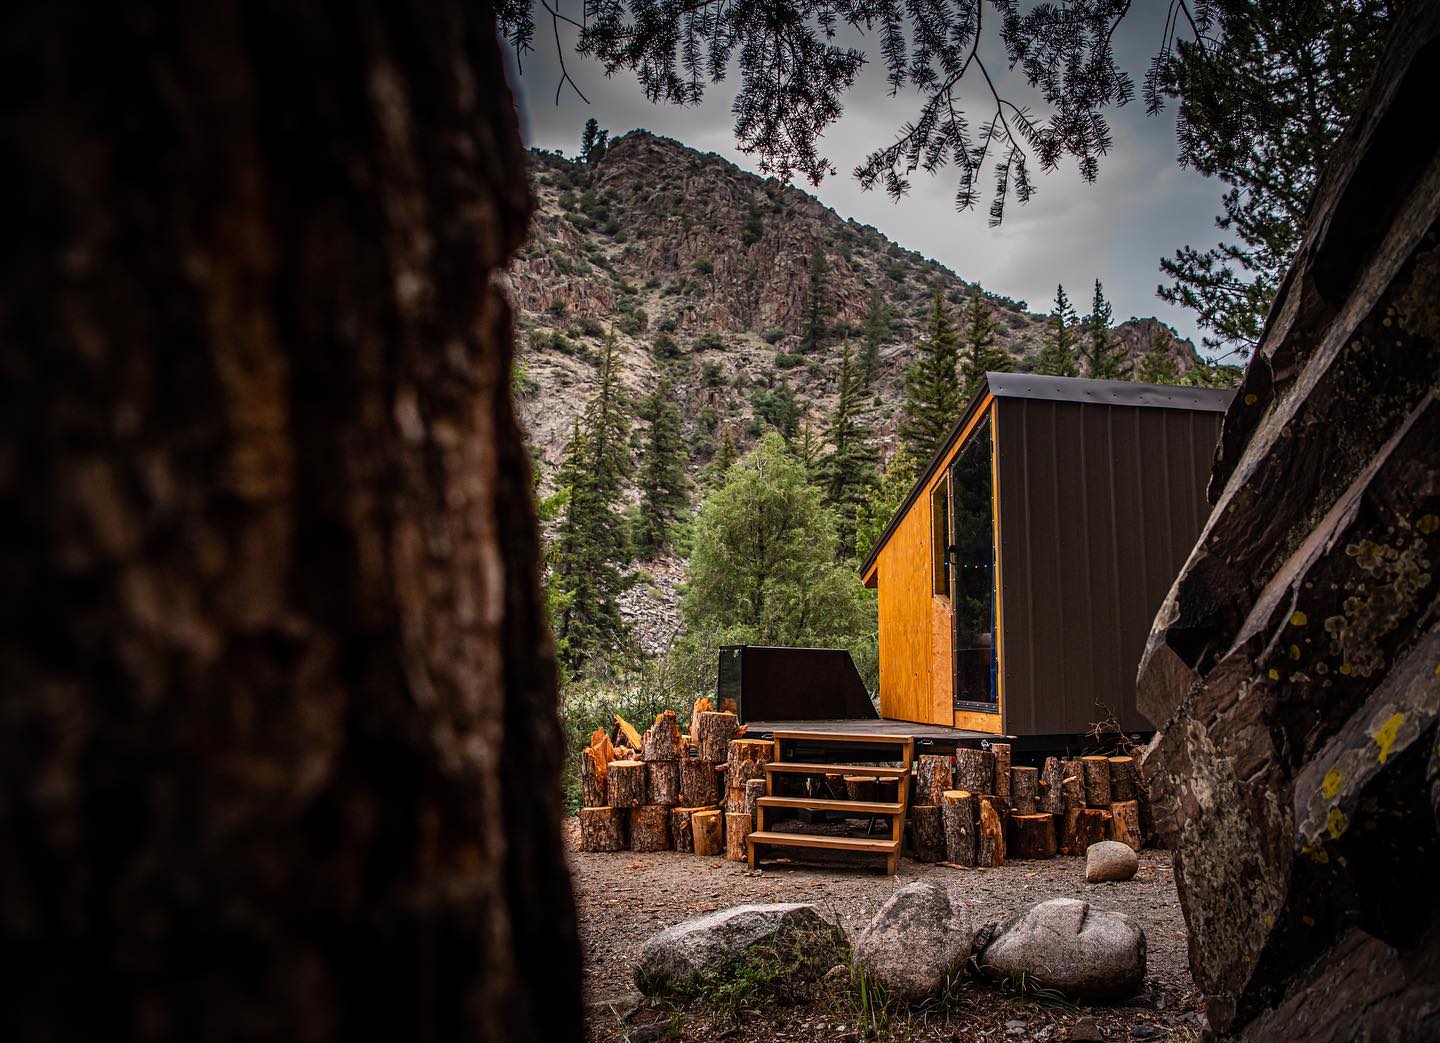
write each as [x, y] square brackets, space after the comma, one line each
[1018, 581]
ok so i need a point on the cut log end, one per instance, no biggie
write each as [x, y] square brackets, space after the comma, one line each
[602, 829]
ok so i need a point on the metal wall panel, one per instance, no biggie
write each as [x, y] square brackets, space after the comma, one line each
[1099, 507]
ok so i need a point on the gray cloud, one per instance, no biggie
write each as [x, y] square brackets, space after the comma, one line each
[1144, 205]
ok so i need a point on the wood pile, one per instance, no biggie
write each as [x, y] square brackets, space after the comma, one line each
[692, 791]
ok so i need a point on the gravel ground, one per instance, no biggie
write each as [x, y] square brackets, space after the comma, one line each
[626, 897]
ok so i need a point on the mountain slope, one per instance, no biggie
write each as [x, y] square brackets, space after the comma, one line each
[702, 269]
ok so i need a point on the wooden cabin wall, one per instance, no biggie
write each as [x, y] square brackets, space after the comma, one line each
[916, 626]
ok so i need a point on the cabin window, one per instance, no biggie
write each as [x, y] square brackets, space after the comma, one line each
[939, 540]
[973, 552]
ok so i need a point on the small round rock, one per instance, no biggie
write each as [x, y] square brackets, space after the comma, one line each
[1109, 860]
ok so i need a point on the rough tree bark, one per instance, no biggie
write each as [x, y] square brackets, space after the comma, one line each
[1292, 667]
[270, 557]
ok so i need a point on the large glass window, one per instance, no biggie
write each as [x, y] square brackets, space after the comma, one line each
[973, 574]
[940, 540]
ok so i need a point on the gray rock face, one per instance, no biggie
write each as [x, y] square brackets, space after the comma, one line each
[685, 954]
[918, 937]
[1109, 860]
[1065, 944]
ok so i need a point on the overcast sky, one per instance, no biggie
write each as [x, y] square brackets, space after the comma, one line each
[1143, 206]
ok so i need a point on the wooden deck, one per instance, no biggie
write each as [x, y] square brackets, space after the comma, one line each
[926, 735]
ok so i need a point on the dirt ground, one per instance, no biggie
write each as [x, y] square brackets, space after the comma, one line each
[626, 897]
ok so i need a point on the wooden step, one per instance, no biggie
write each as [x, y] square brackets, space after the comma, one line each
[802, 768]
[874, 847]
[859, 807]
[846, 737]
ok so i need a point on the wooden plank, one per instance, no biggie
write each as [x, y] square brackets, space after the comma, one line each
[767, 838]
[804, 768]
[860, 807]
[850, 737]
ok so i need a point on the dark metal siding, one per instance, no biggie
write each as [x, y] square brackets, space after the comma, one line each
[1099, 507]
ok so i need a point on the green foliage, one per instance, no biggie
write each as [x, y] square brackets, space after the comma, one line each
[1057, 356]
[933, 398]
[662, 480]
[876, 333]
[773, 336]
[724, 459]
[788, 360]
[848, 470]
[1104, 356]
[763, 567]
[780, 408]
[711, 340]
[664, 346]
[980, 356]
[592, 546]
[703, 265]
[593, 142]
[816, 306]
[1262, 105]
[522, 384]
[1157, 365]
[875, 512]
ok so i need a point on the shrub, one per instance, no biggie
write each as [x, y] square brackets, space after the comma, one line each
[713, 340]
[703, 265]
[773, 336]
[712, 374]
[666, 325]
[664, 346]
[788, 360]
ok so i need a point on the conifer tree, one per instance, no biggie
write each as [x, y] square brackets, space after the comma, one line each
[979, 355]
[932, 384]
[781, 408]
[806, 447]
[725, 456]
[1057, 357]
[1103, 355]
[848, 470]
[1157, 365]
[592, 548]
[663, 484]
[812, 333]
[877, 331]
[593, 141]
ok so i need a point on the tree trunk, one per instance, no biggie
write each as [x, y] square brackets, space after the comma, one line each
[650, 828]
[927, 833]
[747, 760]
[709, 830]
[592, 778]
[1125, 823]
[754, 790]
[1001, 753]
[714, 732]
[280, 756]
[957, 808]
[975, 770]
[1083, 827]
[661, 741]
[682, 827]
[603, 829]
[933, 776]
[1032, 836]
[989, 834]
[662, 782]
[1023, 785]
[861, 787]
[697, 783]
[1052, 786]
[1097, 781]
[1122, 779]
[625, 784]
[738, 826]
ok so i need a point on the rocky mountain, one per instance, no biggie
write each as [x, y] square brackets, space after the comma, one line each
[702, 269]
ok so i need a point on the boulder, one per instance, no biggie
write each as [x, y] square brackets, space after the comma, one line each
[1066, 945]
[1109, 860]
[685, 954]
[919, 937]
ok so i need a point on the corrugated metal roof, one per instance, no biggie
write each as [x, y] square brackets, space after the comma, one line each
[1057, 389]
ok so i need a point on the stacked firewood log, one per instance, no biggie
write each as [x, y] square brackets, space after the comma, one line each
[977, 809]
[692, 792]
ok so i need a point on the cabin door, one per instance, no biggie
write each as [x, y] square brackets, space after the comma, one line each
[972, 573]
